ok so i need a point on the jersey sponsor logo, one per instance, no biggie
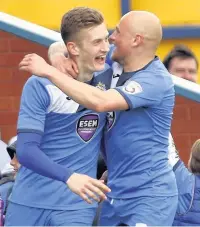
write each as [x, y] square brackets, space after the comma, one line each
[110, 120]
[132, 87]
[87, 126]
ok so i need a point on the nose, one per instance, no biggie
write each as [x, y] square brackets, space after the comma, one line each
[105, 46]
[111, 38]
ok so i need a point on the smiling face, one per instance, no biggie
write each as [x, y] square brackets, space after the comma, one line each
[122, 40]
[129, 36]
[93, 48]
[86, 37]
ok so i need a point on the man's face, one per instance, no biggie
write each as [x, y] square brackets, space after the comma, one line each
[14, 162]
[93, 48]
[122, 39]
[185, 68]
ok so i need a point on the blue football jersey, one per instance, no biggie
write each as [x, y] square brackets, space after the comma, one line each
[136, 141]
[71, 136]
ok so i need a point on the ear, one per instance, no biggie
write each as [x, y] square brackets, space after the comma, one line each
[72, 48]
[137, 40]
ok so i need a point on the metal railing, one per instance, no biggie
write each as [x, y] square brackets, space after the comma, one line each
[45, 36]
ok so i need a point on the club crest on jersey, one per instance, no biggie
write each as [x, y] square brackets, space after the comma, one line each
[101, 86]
[110, 120]
[132, 87]
[87, 126]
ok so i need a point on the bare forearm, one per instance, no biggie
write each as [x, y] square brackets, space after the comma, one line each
[84, 94]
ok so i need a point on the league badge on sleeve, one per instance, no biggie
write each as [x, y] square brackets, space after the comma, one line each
[132, 87]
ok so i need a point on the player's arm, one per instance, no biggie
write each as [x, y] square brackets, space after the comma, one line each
[142, 91]
[30, 155]
[145, 90]
[86, 95]
[34, 103]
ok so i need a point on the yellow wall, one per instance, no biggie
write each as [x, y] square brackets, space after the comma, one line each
[171, 12]
[48, 13]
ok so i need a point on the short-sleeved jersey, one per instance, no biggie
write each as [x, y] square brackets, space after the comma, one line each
[71, 136]
[136, 140]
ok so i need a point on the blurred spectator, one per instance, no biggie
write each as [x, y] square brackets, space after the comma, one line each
[182, 62]
[8, 177]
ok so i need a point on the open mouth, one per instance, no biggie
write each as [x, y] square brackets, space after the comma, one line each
[100, 59]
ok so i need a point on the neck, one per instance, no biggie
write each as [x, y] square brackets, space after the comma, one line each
[137, 61]
[84, 74]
